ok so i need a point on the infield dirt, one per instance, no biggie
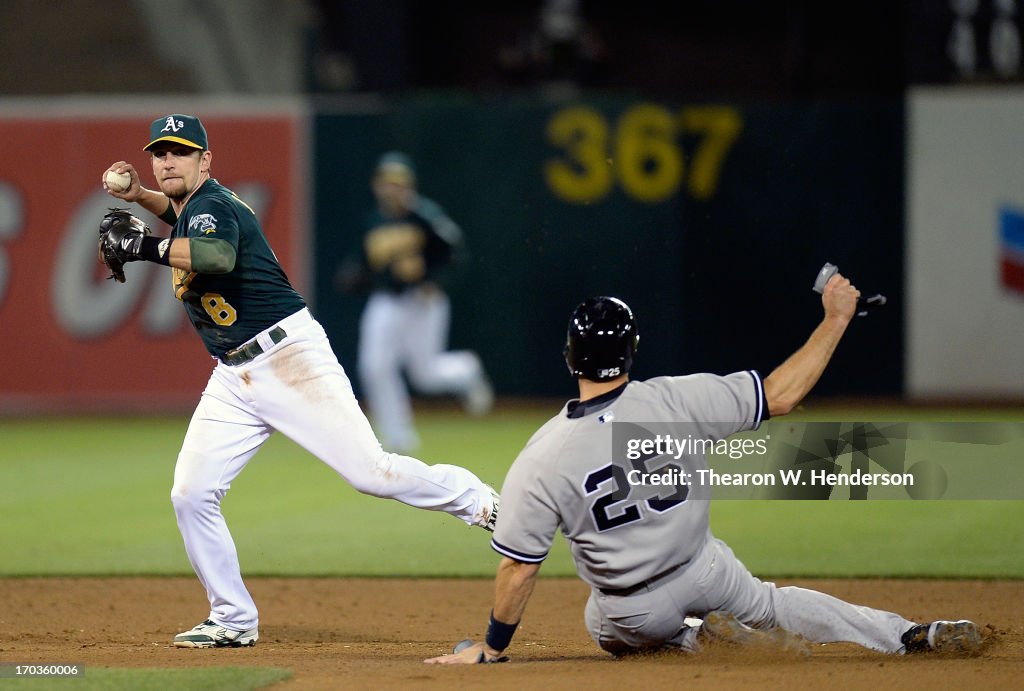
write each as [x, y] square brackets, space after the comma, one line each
[374, 633]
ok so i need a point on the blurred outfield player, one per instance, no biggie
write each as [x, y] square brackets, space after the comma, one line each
[652, 563]
[274, 370]
[408, 245]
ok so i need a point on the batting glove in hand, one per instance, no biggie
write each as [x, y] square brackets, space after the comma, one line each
[121, 236]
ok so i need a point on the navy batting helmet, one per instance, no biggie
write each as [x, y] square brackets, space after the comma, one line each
[602, 339]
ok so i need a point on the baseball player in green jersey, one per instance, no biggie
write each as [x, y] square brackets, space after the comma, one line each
[651, 561]
[274, 370]
[409, 247]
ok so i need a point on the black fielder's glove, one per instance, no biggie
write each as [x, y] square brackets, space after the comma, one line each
[121, 236]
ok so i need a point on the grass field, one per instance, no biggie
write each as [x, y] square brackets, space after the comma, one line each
[119, 679]
[90, 496]
[85, 496]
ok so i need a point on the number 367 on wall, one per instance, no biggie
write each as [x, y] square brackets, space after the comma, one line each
[643, 153]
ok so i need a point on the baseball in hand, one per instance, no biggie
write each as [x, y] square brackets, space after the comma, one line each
[117, 182]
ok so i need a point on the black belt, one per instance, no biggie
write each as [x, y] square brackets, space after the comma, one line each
[622, 592]
[248, 351]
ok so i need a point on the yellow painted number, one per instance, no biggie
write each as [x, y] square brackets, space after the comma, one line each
[649, 164]
[584, 175]
[643, 153]
[220, 311]
[719, 126]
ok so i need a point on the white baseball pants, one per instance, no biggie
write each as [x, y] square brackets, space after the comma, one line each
[716, 580]
[408, 332]
[298, 387]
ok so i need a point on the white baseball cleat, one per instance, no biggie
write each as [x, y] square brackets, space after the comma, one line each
[479, 399]
[211, 635]
[488, 517]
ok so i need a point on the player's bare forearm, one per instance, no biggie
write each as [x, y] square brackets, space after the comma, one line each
[513, 586]
[202, 255]
[152, 201]
[788, 383]
[181, 254]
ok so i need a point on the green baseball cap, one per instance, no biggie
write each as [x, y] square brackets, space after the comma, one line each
[181, 129]
[396, 167]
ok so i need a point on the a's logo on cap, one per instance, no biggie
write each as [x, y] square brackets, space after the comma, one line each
[172, 124]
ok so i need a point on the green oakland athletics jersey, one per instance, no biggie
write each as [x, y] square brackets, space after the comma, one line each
[407, 250]
[570, 477]
[229, 309]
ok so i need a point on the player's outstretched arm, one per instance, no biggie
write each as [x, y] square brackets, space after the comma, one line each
[513, 586]
[788, 383]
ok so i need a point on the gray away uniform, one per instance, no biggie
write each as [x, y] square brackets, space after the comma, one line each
[649, 555]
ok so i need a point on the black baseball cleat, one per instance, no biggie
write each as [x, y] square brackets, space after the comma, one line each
[960, 636]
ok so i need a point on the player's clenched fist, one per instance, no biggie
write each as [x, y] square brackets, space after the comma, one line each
[839, 298]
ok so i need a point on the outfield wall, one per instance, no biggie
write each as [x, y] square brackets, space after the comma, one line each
[711, 219]
[965, 244]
